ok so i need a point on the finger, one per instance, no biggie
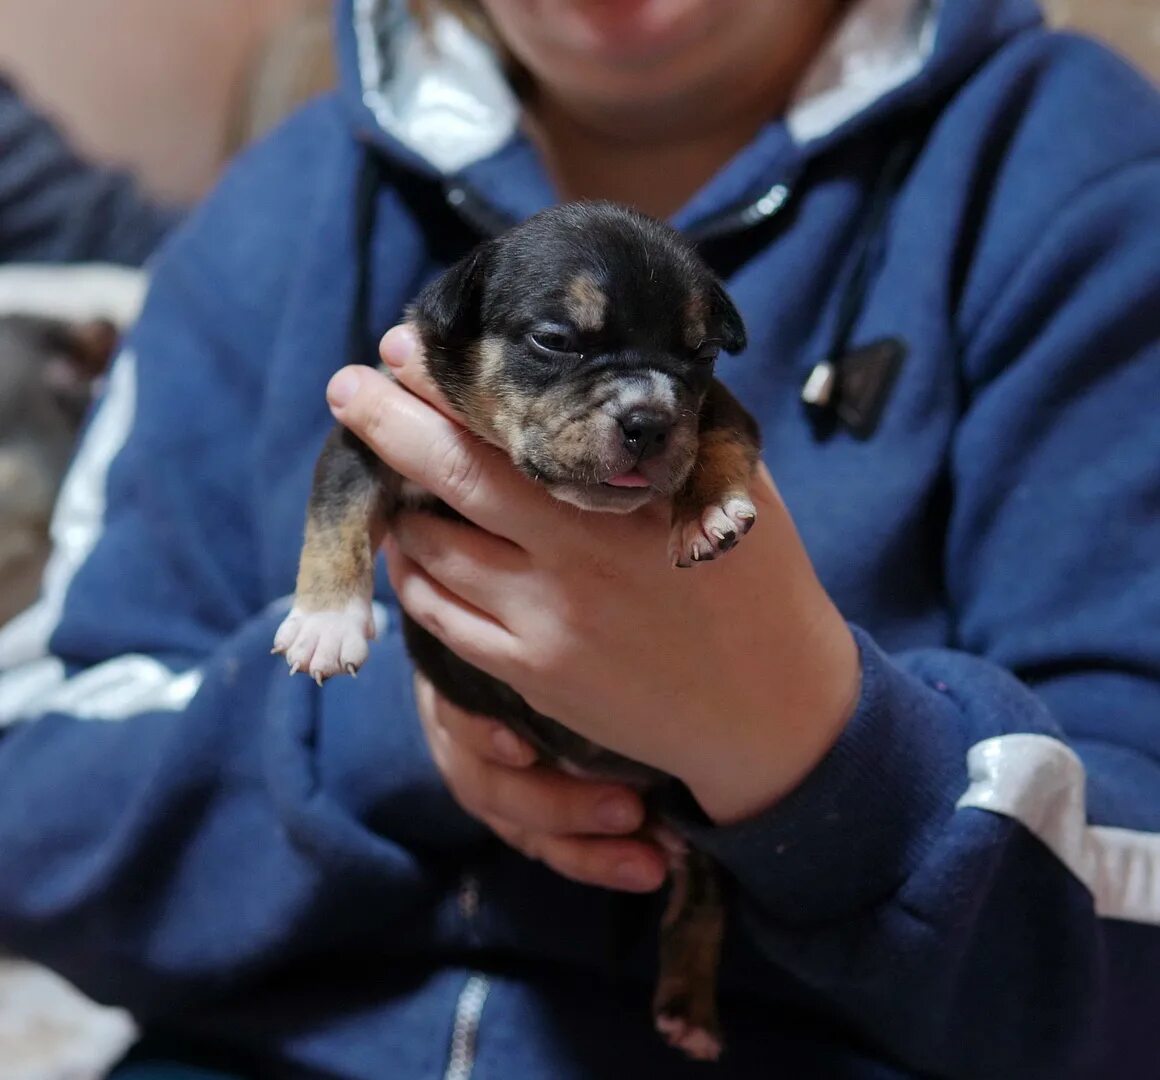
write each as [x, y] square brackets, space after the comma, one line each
[402, 352]
[439, 455]
[544, 800]
[479, 735]
[467, 631]
[624, 864]
[479, 567]
[536, 799]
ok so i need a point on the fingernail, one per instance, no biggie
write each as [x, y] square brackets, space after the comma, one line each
[618, 813]
[398, 346]
[509, 748]
[343, 387]
[634, 874]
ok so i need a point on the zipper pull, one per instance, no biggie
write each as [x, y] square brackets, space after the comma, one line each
[852, 389]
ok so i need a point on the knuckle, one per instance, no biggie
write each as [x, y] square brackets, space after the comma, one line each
[455, 469]
[374, 421]
[423, 607]
[545, 655]
[531, 844]
[486, 791]
[461, 775]
[585, 863]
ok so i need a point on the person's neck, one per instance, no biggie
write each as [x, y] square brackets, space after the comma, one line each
[656, 159]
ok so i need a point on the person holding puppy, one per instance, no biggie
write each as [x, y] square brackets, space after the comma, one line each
[911, 716]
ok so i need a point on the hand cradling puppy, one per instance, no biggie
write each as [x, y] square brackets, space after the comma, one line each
[581, 343]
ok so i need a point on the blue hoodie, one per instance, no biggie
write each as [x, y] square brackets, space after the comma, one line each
[967, 886]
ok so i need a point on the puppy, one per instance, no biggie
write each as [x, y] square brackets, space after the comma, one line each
[48, 368]
[582, 344]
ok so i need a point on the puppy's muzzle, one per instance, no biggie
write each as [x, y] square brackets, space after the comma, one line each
[645, 432]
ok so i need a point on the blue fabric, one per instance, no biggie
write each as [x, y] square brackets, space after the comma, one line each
[279, 867]
[55, 207]
[160, 1070]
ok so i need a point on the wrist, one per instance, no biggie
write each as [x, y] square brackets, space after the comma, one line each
[802, 703]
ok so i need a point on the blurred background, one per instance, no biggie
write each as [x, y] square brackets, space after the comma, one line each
[171, 89]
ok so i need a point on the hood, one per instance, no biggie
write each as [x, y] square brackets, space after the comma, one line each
[441, 104]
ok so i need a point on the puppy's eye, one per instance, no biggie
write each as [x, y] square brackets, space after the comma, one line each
[553, 343]
[707, 352]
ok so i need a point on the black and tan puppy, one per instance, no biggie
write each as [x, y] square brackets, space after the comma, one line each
[582, 344]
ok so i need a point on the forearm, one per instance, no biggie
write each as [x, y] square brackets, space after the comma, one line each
[937, 872]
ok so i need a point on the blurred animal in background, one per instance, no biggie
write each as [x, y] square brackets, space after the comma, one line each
[49, 371]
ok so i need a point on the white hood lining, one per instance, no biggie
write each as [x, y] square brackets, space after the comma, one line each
[449, 102]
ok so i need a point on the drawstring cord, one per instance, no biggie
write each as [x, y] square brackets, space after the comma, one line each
[822, 388]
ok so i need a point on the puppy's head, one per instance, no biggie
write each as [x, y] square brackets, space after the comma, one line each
[582, 343]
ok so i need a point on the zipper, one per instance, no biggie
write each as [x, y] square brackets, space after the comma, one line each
[469, 1006]
[489, 222]
[468, 1012]
[477, 212]
[752, 212]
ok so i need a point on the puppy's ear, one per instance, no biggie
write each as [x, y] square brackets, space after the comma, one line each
[449, 311]
[725, 320]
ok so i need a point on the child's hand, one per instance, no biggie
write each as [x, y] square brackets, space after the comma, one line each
[579, 828]
[735, 676]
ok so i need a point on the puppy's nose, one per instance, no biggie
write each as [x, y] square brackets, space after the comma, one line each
[645, 433]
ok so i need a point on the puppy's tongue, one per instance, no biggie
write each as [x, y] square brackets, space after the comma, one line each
[630, 479]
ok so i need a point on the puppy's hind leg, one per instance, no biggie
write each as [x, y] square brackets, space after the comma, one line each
[331, 622]
[685, 1002]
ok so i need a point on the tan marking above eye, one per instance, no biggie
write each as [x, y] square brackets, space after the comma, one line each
[490, 363]
[586, 303]
[696, 319]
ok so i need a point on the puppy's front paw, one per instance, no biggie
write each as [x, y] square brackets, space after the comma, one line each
[325, 643]
[711, 530]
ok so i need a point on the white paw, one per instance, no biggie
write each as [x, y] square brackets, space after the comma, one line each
[695, 1042]
[715, 531]
[325, 643]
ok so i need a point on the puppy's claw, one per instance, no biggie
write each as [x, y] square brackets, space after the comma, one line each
[713, 531]
[352, 671]
[326, 643]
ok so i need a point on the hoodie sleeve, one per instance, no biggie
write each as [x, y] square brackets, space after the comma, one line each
[971, 878]
[54, 207]
[161, 812]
